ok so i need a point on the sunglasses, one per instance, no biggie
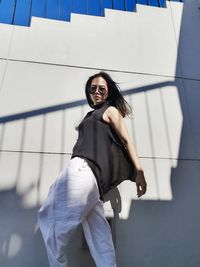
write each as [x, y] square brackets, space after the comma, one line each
[101, 90]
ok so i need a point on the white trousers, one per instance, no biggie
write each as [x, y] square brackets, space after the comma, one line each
[74, 199]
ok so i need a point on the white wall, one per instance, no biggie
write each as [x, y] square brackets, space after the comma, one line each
[154, 55]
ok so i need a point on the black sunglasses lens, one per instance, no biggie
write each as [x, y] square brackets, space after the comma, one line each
[92, 90]
[101, 90]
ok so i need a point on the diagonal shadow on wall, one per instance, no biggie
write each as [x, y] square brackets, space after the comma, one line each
[166, 233]
[15, 244]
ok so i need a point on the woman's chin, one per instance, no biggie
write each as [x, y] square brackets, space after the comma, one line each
[98, 101]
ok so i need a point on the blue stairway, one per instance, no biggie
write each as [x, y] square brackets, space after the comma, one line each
[19, 12]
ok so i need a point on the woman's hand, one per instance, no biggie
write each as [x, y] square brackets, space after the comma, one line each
[140, 183]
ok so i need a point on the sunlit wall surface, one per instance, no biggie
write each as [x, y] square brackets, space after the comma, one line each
[19, 12]
[153, 53]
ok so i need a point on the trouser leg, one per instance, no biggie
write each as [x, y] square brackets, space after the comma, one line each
[98, 235]
[70, 200]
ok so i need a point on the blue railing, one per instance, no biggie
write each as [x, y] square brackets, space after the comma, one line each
[19, 12]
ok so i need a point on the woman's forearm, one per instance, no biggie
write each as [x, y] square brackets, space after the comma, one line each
[133, 155]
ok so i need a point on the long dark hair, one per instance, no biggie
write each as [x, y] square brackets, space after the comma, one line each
[115, 98]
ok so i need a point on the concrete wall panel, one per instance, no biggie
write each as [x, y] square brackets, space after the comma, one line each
[5, 39]
[144, 39]
[46, 86]
[193, 97]
[146, 36]
[158, 230]
[39, 86]
[2, 71]
[186, 22]
[25, 45]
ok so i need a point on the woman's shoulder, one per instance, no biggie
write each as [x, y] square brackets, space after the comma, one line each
[112, 111]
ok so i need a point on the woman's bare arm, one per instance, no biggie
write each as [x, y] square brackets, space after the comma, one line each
[112, 116]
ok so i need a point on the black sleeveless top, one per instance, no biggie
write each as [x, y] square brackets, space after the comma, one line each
[102, 148]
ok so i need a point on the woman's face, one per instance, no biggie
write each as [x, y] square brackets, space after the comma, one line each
[98, 90]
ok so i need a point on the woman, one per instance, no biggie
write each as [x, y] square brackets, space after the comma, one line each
[102, 158]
